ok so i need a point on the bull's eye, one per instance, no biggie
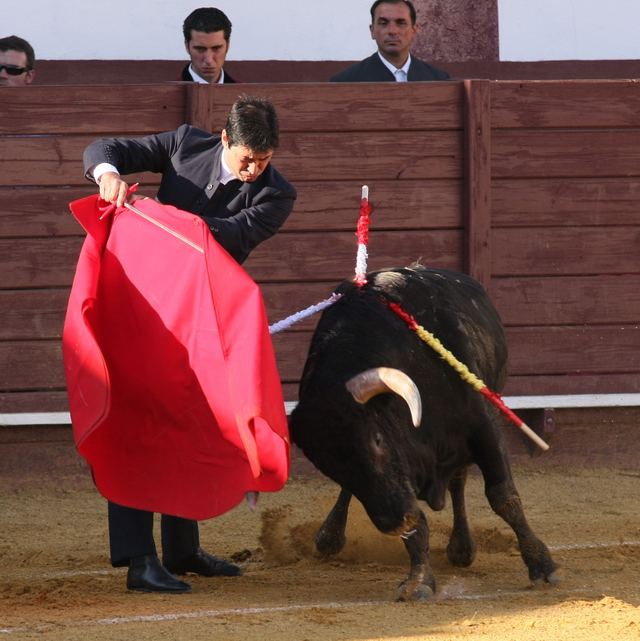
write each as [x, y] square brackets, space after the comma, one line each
[377, 440]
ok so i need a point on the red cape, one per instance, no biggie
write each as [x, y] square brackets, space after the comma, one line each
[174, 393]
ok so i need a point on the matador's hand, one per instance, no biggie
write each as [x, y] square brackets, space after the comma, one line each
[113, 189]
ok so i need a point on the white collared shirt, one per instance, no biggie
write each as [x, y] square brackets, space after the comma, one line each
[225, 173]
[393, 70]
[202, 81]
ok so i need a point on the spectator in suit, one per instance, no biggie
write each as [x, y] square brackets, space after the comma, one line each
[207, 33]
[393, 27]
[17, 60]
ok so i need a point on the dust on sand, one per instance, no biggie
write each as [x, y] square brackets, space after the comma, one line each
[56, 581]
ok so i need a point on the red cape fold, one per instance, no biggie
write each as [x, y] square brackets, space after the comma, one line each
[174, 393]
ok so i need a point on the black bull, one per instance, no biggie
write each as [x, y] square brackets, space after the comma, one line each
[370, 446]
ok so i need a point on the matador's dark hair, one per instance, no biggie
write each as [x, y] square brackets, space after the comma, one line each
[253, 123]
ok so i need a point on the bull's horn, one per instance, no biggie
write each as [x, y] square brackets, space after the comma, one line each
[380, 380]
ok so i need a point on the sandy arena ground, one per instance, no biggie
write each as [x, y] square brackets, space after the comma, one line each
[56, 581]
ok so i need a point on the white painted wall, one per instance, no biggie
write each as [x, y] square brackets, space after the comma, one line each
[569, 29]
[152, 29]
[308, 29]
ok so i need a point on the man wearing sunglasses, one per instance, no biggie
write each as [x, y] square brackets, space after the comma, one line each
[16, 62]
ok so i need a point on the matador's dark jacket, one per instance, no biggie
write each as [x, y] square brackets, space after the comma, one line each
[240, 215]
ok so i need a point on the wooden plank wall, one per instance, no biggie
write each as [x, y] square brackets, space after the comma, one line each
[531, 187]
[565, 238]
[43, 133]
[407, 146]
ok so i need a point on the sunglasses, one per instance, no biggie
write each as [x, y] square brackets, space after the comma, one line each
[14, 70]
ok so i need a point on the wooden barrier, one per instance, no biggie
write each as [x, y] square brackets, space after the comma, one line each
[140, 72]
[531, 187]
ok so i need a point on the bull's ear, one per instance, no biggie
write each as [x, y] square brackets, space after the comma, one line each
[381, 380]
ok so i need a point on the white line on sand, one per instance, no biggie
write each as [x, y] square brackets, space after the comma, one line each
[214, 613]
[288, 608]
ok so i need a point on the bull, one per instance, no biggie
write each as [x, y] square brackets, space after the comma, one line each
[382, 415]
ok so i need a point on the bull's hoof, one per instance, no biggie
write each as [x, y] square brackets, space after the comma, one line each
[461, 553]
[327, 545]
[417, 588]
[423, 593]
[551, 579]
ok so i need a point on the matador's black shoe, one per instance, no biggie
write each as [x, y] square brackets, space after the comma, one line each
[203, 564]
[146, 574]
